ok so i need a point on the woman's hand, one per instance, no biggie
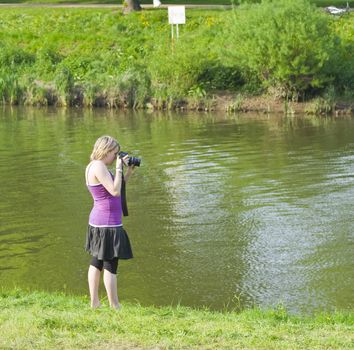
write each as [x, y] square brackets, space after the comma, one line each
[130, 169]
[119, 164]
[125, 160]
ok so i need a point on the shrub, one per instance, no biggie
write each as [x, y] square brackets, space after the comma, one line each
[342, 61]
[219, 77]
[287, 44]
[15, 57]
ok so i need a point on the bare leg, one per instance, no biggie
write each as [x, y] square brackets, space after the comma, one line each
[110, 282]
[94, 282]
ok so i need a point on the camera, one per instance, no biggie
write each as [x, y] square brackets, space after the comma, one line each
[131, 160]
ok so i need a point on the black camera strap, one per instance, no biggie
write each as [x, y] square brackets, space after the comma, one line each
[123, 197]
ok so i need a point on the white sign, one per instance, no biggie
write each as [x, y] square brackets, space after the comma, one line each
[176, 15]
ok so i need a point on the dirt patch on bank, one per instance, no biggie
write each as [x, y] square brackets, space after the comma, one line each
[269, 104]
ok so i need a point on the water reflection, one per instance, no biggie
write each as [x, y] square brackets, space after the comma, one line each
[225, 211]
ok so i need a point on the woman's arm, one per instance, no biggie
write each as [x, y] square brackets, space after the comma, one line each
[128, 173]
[104, 177]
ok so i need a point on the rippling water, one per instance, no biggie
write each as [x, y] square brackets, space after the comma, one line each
[225, 211]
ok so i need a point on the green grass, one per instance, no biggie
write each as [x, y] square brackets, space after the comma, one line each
[100, 50]
[98, 57]
[39, 320]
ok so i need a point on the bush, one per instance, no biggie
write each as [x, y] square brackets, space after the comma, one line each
[342, 60]
[287, 44]
[219, 77]
[15, 57]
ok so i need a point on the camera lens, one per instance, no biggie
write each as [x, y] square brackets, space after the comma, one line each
[131, 160]
[134, 161]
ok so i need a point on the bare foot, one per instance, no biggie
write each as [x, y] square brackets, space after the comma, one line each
[96, 305]
[117, 307]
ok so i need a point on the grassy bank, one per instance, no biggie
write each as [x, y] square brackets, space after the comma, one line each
[98, 57]
[38, 320]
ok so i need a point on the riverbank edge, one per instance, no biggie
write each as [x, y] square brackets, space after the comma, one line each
[236, 102]
[43, 320]
[219, 102]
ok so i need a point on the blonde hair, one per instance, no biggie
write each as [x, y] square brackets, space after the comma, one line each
[103, 146]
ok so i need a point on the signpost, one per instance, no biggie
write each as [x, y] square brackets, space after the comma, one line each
[176, 16]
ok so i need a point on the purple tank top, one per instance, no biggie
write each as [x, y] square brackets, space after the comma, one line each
[107, 209]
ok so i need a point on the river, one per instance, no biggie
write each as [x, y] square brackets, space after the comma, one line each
[226, 211]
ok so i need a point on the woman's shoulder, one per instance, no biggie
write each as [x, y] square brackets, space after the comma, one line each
[95, 164]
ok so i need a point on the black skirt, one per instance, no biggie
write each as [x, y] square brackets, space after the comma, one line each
[106, 243]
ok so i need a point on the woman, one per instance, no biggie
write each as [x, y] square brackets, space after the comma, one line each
[106, 239]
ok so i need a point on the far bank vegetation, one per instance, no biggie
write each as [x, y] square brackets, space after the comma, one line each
[289, 50]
